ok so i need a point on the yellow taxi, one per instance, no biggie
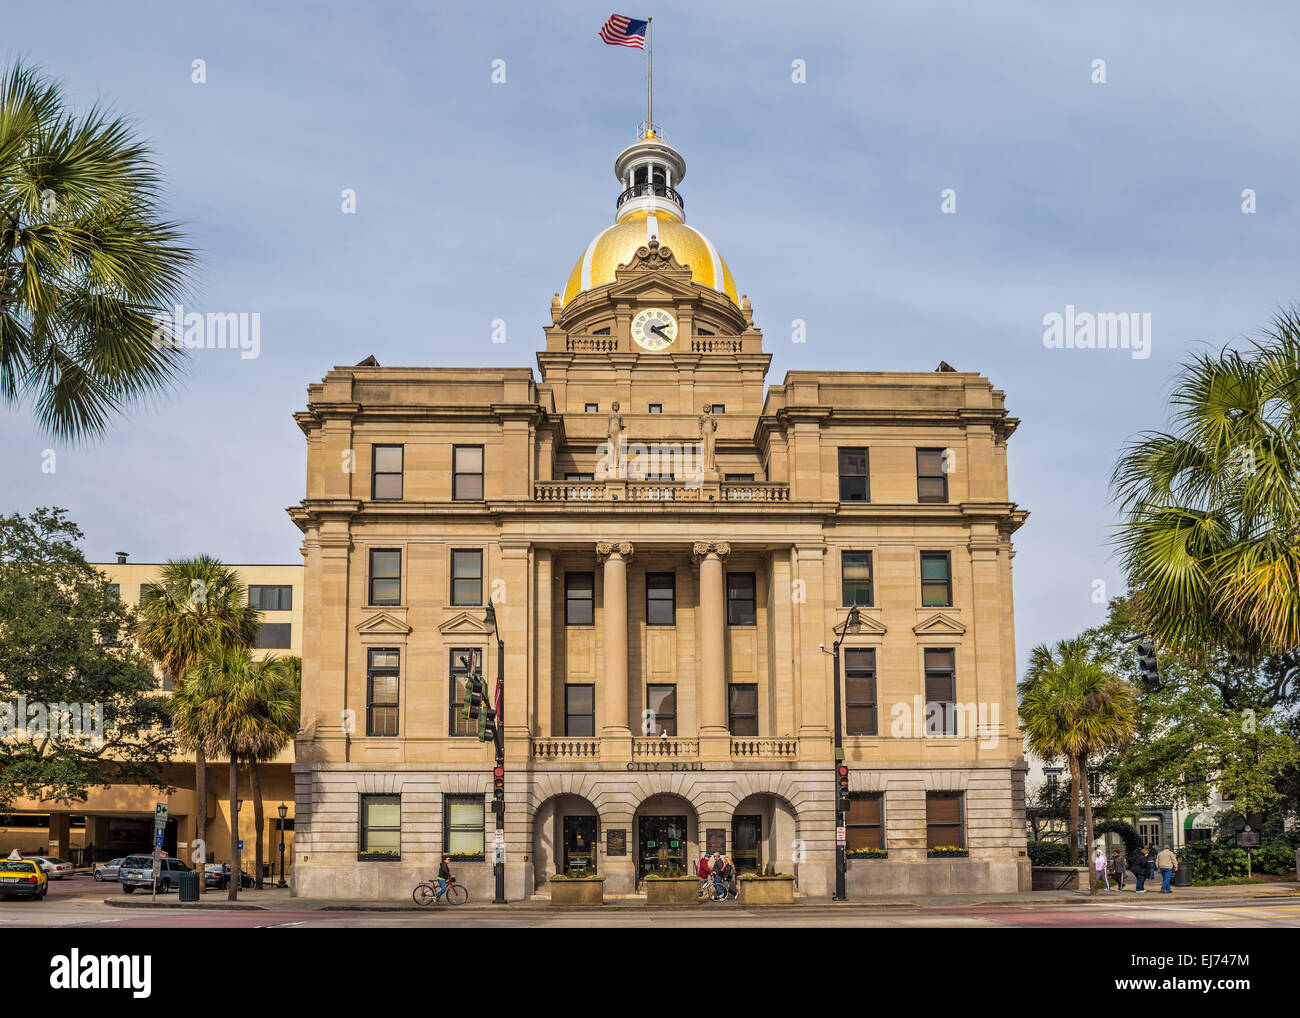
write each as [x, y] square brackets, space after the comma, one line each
[22, 877]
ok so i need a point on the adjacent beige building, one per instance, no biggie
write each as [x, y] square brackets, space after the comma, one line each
[668, 543]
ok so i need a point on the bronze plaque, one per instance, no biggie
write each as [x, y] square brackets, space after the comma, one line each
[716, 839]
[615, 841]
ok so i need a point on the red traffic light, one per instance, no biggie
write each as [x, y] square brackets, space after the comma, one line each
[498, 772]
[843, 770]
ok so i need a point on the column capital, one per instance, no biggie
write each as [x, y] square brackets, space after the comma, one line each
[703, 549]
[623, 549]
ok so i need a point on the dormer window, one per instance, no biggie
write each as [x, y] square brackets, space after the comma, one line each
[704, 332]
[601, 332]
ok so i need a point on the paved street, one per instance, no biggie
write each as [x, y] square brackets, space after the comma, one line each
[80, 902]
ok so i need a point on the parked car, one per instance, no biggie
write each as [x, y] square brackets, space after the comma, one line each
[108, 870]
[216, 876]
[137, 871]
[55, 869]
[24, 877]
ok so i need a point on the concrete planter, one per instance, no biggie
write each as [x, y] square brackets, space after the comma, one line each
[584, 891]
[768, 891]
[1062, 878]
[672, 890]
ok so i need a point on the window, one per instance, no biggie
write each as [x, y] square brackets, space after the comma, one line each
[738, 478]
[658, 478]
[385, 576]
[591, 408]
[580, 710]
[860, 691]
[940, 693]
[579, 477]
[274, 636]
[943, 820]
[601, 332]
[719, 409]
[855, 578]
[931, 480]
[936, 579]
[742, 708]
[277, 598]
[1094, 783]
[656, 408]
[854, 483]
[467, 473]
[659, 599]
[114, 591]
[579, 599]
[704, 332]
[463, 659]
[661, 700]
[462, 825]
[143, 588]
[864, 822]
[381, 692]
[466, 576]
[381, 823]
[741, 609]
[386, 472]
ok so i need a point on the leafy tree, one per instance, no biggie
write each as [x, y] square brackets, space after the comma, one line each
[1211, 532]
[274, 705]
[195, 603]
[1071, 705]
[86, 260]
[59, 627]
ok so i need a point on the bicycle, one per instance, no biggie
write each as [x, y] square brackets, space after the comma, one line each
[426, 894]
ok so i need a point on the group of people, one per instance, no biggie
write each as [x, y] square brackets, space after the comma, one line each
[717, 877]
[1143, 864]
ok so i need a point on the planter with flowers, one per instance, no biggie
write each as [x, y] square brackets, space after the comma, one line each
[767, 888]
[947, 852]
[577, 888]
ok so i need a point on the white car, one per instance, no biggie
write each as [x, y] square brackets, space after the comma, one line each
[55, 869]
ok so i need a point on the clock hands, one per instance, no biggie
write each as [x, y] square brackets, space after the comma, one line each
[660, 329]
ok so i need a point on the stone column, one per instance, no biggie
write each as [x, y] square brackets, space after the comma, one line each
[616, 736]
[715, 737]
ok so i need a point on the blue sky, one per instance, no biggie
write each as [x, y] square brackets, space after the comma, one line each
[474, 199]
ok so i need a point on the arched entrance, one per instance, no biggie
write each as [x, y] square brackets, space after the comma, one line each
[566, 832]
[666, 836]
[763, 832]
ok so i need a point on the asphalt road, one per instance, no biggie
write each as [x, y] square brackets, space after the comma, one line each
[79, 902]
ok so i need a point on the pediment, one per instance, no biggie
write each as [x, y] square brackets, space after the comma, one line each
[868, 626]
[384, 623]
[649, 285]
[939, 625]
[463, 623]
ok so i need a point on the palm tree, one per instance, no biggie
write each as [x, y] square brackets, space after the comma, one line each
[274, 707]
[1071, 705]
[1211, 536]
[86, 261]
[196, 602]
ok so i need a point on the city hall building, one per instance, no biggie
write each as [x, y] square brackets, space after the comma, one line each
[671, 548]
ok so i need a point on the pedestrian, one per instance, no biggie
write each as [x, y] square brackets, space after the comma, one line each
[705, 874]
[729, 878]
[1099, 868]
[715, 871]
[1138, 864]
[1167, 863]
[1117, 868]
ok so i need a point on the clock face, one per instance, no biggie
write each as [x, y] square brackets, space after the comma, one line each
[654, 329]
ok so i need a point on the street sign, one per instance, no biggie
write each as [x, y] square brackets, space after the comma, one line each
[158, 837]
[1247, 838]
[160, 815]
[241, 844]
[281, 846]
[841, 836]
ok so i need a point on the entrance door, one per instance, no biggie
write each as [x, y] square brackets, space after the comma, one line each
[661, 846]
[580, 844]
[747, 844]
[1151, 831]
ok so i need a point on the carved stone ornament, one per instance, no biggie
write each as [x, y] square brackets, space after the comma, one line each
[654, 256]
[623, 549]
[701, 549]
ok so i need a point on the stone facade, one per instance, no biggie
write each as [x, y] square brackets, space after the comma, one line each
[663, 543]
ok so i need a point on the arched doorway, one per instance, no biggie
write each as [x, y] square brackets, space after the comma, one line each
[566, 832]
[667, 839]
[763, 832]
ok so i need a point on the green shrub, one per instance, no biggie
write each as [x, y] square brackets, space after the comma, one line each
[1048, 853]
[1213, 859]
[1274, 855]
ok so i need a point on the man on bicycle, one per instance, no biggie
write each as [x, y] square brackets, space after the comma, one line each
[444, 877]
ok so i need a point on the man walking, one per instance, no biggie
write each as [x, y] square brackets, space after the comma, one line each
[1117, 868]
[1138, 864]
[1167, 864]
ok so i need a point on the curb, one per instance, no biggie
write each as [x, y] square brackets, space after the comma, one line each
[190, 906]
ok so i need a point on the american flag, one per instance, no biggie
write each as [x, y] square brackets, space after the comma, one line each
[621, 31]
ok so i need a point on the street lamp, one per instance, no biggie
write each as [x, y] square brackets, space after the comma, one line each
[498, 770]
[850, 625]
[284, 812]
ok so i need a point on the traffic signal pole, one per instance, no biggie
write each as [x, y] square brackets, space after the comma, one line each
[498, 782]
[840, 861]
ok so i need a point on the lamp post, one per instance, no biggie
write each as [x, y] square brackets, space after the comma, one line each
[851, 624]
[499, 738]
[284, 812]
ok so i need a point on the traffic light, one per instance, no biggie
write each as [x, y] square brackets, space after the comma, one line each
[842, 792]
[487, 731]
[499, 784]
[473, 698]
[1147, 663]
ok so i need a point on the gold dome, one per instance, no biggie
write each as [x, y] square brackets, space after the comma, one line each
[616, 245]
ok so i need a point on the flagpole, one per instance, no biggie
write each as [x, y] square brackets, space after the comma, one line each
[650, 73]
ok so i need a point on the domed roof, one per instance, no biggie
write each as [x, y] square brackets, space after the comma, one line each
[617, 244]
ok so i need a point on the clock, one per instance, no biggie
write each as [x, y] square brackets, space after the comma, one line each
[654, 329]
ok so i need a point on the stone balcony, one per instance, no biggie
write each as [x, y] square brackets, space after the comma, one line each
[654, 491]
[588, 749]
